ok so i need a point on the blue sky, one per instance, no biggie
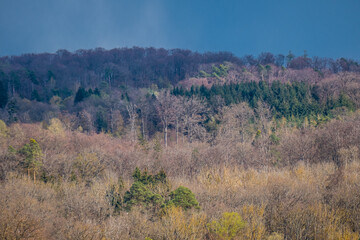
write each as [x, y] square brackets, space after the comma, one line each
[327, 28]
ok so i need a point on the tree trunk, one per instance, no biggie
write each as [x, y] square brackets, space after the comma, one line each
[143, 128]
[132, 115]
[165, 136]
[111, 120]
[242, 132]
[189, 133]
[177, 131]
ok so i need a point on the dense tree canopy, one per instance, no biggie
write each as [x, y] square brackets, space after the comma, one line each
[41, 76]
[286, 100]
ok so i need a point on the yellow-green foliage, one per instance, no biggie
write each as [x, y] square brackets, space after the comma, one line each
[178, 224]
[328, 224]
[254, 217]
[3, 130]
[32, 154]
[55, 100]
[56, 127]
[275, 236]
[293, 207]
[228, 227]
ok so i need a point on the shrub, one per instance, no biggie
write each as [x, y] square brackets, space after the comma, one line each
[228, 227]
[3, 129]
[178, 224]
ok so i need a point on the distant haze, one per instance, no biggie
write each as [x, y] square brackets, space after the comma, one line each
[326, 28]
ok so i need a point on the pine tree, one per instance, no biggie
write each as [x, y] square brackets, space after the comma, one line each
[80, 95]
[3, 95]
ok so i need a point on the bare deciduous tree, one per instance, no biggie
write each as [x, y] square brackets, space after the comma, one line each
[165, 107]
[131, 109]
[235, 119]
[194, 110]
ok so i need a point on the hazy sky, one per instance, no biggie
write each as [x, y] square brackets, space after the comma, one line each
[328, 28]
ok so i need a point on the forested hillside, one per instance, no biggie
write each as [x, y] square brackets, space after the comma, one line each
[172, 144]
[94, 88]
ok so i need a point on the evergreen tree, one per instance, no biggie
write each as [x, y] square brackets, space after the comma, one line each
[35, 96]
[183, 197]
[97, 92]
[3, 95]
[81, 94]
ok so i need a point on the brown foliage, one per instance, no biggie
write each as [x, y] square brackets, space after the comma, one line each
[305, 186]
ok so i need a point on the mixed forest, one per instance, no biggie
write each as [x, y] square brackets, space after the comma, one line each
[145, 143]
